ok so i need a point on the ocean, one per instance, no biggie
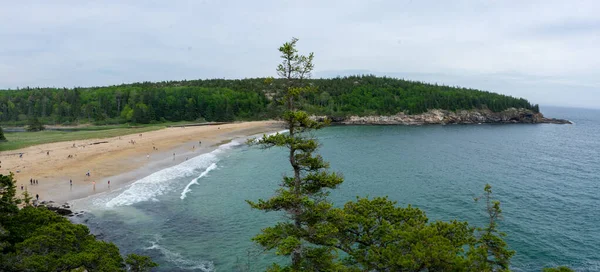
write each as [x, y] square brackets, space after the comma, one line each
[193, 216]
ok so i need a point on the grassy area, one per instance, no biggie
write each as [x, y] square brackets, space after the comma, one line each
[17, 140]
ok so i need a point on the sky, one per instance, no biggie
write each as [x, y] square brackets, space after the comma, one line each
[545, 51]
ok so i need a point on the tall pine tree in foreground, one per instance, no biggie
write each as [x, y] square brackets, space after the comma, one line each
[370, 234]
[491, 252]
[303, 194]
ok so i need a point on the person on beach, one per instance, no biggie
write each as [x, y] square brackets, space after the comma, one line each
[30, 181]
[47, 153]
[71, 182]
[148, 156]
[21, 187]
[37, 197]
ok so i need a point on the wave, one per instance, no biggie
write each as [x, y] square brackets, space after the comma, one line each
[258, 137]
[180, 261]
[279, 132]
[158, 183]
[227, 146]
[195, 181]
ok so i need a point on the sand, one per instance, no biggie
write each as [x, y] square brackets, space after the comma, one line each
[116, 159]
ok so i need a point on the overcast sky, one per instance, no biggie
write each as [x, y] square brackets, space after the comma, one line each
[545, 51]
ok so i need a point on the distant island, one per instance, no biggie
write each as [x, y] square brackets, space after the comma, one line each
[363, 99]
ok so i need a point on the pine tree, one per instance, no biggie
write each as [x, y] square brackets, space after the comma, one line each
[491, 252]
[303, 195]
[2, 138]
[34, 124]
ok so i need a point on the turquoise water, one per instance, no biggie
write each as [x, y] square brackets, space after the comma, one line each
[193, 216]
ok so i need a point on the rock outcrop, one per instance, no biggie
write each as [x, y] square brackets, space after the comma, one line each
[511, 115]
[64, 209]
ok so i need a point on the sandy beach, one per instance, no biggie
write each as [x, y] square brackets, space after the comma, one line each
[120, 160]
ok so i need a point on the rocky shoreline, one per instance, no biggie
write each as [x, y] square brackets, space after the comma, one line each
[443, 117]
[61, 209]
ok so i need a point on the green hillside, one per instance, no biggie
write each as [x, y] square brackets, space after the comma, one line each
[232, 99]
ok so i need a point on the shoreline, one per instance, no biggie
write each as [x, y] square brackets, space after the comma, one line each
[122, 160]
[445, 117]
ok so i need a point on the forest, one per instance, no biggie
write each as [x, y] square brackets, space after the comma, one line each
[34, 238]
[238, 100]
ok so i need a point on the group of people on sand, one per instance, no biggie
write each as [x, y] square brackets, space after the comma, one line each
[36, 182]
[33, 181]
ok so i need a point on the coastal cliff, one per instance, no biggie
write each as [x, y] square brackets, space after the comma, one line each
[511, 115]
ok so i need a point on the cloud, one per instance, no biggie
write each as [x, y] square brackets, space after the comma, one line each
[568, 27]
[523, 48]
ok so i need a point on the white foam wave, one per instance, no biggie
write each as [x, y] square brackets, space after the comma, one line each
[258, 138]
[227, 146]
[195, 181]
[158, 183]
[279, 132]
[177, 259]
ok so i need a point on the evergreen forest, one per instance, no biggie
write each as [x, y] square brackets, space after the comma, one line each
[239, 100]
